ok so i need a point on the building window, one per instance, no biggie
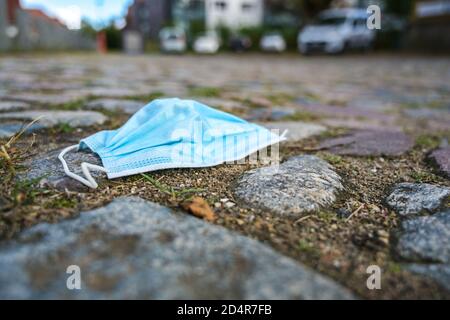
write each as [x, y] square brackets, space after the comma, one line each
[195, 5]
[221, 5]
[143, 14]
[246, 6]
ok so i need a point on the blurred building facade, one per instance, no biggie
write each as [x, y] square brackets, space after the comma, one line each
[25, 29]
[234, 14]
[415, 24]
[189, 12]
[430, 27]
[149, 16]
[357, 3]
[3, 26]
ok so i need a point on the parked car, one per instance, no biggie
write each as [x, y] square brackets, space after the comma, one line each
[337, 30]
[172, 40]
[207, 43]
[240, 43]
[273, 42]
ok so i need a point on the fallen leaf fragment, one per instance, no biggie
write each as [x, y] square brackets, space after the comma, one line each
[198, 207]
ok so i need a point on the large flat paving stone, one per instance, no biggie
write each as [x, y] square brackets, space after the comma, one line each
[110, 92]
[345, 112]
[126, 106]
[50, 118]
[426, 113]
[46, 99]
[369, 143]
[441, 158]
[438, 272]
[426, 239]
[226, 104]
[372, 102]
[408, 199]
[170, 89]
[48, 86]
[135, 249]
[297, 130]
[271, 114]
[301, 184]
[9, 129]
[357, 124]
[48, 170]
[13, 105]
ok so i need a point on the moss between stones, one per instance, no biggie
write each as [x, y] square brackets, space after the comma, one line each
[302, 116]
[209, 92]
[147, 97]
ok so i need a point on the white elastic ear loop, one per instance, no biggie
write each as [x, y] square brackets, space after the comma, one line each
[284, 134]
[89, 181]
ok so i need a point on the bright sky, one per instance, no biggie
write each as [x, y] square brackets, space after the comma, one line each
[72, 11]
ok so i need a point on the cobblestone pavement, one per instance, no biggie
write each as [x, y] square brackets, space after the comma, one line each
[368, 138]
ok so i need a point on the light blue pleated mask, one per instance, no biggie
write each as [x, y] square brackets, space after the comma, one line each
[172, 133]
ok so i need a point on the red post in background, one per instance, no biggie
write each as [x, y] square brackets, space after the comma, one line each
[102, 46]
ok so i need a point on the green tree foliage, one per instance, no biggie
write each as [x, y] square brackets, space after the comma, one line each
[197, 27]
[87, 29]
[113, 37]
[113, 34]
[310, 8]
[400, 7]
[305, 8]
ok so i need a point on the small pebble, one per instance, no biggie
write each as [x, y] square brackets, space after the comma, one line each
[343, 213]
[229, 205]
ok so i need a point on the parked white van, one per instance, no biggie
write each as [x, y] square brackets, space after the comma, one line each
[173, 40]
[207, 43]
[273, 42]
[336, 30]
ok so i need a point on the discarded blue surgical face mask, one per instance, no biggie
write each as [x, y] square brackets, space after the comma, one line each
[171, 133]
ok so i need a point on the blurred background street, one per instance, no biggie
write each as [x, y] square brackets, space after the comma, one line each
[207, 26]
